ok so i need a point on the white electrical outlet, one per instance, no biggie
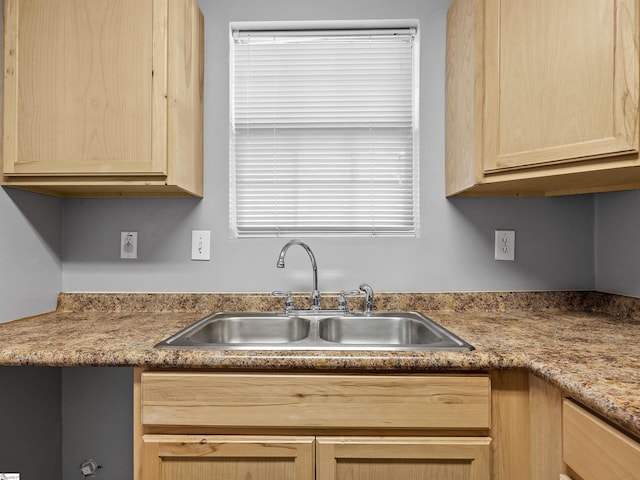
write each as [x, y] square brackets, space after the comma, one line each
[129, 245]
[505, 248]
[200, 245]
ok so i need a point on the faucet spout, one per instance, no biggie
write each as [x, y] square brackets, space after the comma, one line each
[315, 293]
[368, 301]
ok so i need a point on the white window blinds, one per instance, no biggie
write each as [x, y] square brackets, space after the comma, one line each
[324, 133]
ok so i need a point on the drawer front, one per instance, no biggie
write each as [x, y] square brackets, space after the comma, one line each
[595, 450]
[323, 401]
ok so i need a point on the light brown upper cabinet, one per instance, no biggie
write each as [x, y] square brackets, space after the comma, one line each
[103, 98]
[542, 97]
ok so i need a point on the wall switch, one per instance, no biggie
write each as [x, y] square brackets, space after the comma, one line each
[200, 245]
[505, 245]
[129, 245]
[9, 476]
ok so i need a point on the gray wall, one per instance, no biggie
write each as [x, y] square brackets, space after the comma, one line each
[30, 251]
[30, 422]
[617, 243]
[97, 412]
[554, 247]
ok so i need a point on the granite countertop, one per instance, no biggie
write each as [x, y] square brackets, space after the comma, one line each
[585, 343]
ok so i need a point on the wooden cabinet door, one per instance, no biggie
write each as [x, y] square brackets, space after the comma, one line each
[561, 81]
[594, 449]
[192, 457]
[84, 87]
[402, 458]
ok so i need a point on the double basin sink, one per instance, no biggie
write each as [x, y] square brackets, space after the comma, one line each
[316, 330]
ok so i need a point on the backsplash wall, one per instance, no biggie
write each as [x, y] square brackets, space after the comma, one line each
[30, 253]
[554, 240]
[617, 243]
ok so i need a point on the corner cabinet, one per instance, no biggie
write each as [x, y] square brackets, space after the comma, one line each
[103, 98]
[197, 425]
[542, 97]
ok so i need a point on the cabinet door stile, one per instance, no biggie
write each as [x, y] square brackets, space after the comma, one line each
[10, 86]
[159, 86]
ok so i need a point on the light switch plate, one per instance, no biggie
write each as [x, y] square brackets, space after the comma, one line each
[200, 245]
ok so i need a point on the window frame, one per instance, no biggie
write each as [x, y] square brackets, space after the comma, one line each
[359, 26]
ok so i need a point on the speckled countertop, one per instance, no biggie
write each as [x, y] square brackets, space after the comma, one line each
[585, 343]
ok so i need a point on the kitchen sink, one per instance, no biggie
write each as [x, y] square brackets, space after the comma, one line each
[380, 330]
[250, 328]
[316, 330]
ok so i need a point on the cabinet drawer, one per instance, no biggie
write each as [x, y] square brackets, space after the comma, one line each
[594, 449]
[322, 401]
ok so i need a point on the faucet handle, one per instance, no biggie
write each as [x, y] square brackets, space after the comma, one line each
[342, 300]
[288, 302]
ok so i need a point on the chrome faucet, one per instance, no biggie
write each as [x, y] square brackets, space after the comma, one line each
[315, 293]
[368, 299]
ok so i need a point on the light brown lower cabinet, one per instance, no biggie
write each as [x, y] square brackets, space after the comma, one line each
[228, 426]
[193, 457]
[203, 457]
[502, 425]
[402, 458]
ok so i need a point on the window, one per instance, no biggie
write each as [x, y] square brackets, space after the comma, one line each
[323, 131]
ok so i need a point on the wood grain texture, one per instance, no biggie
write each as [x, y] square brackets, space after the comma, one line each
[402, 458]
[138, 448]
[110, 91]
[325, 401]
[84, 94]
[185, 106]
[510, 425]
[464, 95]
[545, 425]
[561, 81]
[559, 100]
[228, 457]
[594, 449]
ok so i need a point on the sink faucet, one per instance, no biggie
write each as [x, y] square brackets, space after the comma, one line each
[368, 300]
[315, 293]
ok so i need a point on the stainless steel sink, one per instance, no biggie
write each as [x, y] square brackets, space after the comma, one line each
[319, 330]
[251, 328]
[379, 329]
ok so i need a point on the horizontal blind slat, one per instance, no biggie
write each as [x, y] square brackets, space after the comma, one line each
[322, 135]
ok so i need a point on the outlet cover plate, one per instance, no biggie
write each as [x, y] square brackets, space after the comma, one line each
[505, 245]
[129, 245]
